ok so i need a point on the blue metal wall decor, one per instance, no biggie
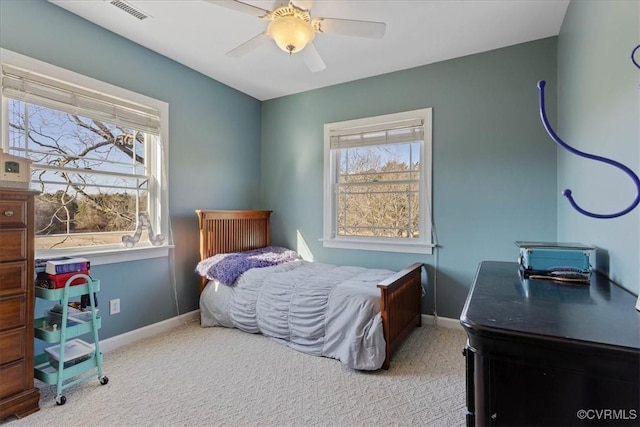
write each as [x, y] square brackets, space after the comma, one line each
[567, 192]
[633, 56]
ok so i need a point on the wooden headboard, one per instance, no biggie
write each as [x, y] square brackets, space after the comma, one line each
[231, 231]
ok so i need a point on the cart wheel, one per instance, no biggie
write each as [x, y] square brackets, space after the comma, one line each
[61, 400]
[103, 380]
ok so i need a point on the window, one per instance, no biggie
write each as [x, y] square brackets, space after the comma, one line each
[97, 156]
[377, 183]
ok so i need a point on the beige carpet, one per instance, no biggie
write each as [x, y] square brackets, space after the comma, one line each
[215, 376]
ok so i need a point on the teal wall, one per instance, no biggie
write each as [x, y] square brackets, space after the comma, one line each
[599, 113]
[494, 169]
[496, 178]
[214, 140]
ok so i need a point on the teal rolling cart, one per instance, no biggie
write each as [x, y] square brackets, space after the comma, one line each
[69, 372]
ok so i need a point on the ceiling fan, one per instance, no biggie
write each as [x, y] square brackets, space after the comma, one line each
[293, 29]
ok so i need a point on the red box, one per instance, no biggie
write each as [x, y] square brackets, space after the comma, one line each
[57, 281]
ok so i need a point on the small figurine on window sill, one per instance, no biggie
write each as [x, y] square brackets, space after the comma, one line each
[143, 222]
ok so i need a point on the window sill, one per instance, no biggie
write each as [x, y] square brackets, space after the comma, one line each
[377, 245]
[111, 255]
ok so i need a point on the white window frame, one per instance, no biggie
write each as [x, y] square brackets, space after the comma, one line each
[158, 204]
[423, 244]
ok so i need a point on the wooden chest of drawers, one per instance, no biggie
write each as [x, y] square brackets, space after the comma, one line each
[18, 396]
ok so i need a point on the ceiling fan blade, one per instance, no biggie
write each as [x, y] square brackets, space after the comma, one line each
[238, 6]
[249, 45]
[350, 27]
[312, 58]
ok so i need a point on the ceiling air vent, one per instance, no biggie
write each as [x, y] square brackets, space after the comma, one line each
[131, 10]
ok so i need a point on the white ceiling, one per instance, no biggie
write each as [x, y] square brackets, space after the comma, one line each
[197, 34]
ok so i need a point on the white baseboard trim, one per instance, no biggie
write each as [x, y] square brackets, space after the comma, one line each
[130, 337]
[445, 322]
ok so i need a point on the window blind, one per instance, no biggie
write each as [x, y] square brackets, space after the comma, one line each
[31, 87]
[404, 131]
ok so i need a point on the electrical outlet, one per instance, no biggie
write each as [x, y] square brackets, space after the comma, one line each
[114, 306]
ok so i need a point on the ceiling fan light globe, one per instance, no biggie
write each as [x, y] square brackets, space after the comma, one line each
[290, 33]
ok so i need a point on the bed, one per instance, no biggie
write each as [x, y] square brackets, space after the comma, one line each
[391, 301]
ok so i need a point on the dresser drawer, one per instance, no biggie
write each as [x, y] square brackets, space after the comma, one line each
[12, 345]
[13, 278]
[13, 312]
[13, 378]
[14, 245]
[13, 213]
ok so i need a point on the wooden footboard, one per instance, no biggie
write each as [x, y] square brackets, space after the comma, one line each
[401, 308]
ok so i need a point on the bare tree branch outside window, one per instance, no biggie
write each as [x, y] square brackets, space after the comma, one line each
[91, 175]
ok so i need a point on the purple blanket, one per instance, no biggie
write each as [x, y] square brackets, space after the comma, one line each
[227, 267]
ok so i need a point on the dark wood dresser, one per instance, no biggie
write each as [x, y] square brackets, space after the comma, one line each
[18, 396]
[544, 353]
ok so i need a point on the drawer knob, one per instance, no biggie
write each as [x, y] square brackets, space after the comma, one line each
[8, 212]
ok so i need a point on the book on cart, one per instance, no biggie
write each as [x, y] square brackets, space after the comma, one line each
[57, 281]
[67, 265]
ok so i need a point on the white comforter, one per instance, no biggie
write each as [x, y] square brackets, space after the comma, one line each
[319, 309]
